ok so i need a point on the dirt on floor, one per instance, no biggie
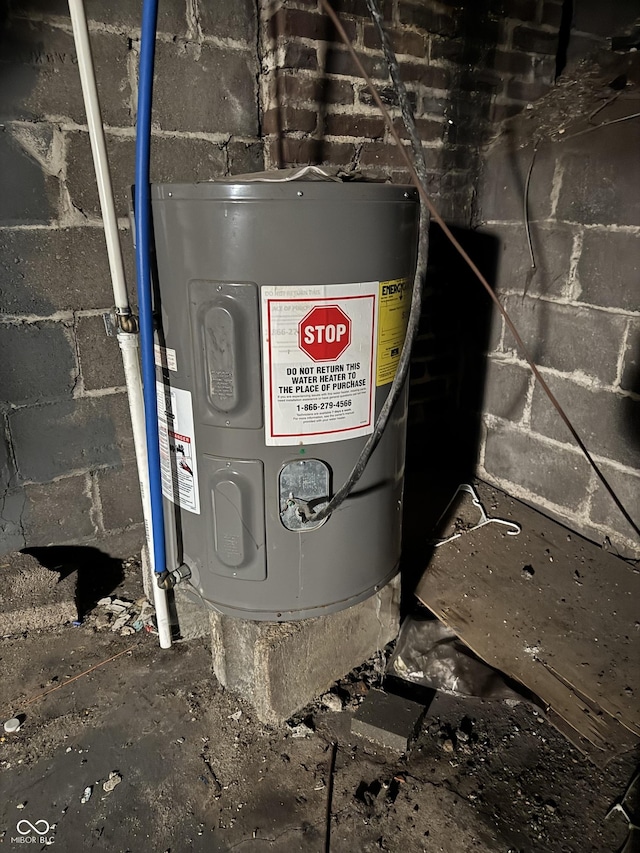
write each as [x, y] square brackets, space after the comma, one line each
[188, 768]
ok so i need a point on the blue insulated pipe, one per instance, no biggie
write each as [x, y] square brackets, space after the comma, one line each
[142, 211]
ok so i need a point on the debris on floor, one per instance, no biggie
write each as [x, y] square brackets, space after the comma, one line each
[332, 702]
[122, 616]
[198, 771]
[114, 779]
[432, 655]
[466, 513]
[479, 776]
[13, 725]
[515, 602]
[300, 730]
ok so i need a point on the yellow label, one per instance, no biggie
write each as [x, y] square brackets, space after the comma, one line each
[393, 317]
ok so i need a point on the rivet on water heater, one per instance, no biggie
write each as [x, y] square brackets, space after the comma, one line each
[299, 193]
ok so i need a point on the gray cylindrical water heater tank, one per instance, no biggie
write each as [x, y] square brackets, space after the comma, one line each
[283, 309]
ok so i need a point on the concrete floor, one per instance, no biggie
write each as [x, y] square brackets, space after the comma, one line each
[199, 773]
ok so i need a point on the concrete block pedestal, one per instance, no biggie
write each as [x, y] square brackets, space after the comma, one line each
[278, 668]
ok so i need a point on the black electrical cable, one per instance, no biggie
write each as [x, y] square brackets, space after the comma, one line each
[394, 392]
[401, 92]
[413, 323]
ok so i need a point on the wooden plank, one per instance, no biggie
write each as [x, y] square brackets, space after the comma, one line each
[550, 609]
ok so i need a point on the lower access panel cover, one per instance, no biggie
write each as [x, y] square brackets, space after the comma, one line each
[236, 538]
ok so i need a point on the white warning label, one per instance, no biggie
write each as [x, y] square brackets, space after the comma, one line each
[165, 357]
[178, 464]
[319, 356]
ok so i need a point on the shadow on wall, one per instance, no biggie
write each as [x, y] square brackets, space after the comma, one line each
[97, 573]
[468, 112]
[449, 360]
[630, 411]
[443, 441]
[29, 195]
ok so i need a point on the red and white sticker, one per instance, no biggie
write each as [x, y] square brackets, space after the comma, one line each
[178, 462]
[319, 358]
[165, 357]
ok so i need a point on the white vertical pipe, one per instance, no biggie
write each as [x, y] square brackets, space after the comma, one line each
[128, 342]
[129, 345]
[99, 151]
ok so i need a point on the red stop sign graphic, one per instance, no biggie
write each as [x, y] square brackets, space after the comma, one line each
[324, 333]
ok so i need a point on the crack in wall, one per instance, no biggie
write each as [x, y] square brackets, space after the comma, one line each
[556, 187]
[11, 484]
[133, 57]
[92, 493]
[194, 27]
[78, 382]
[624, 346]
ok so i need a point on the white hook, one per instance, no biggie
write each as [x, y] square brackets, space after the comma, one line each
[485, 519]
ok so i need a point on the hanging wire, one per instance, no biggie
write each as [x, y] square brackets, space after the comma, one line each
[413, 323]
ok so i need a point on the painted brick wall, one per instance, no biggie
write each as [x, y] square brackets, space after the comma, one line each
[466, 66]
[67, 469]
[579, 311]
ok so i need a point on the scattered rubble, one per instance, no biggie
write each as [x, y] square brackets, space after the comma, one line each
[122, 616]
[332, 702]
[114, 779]
[301, 730]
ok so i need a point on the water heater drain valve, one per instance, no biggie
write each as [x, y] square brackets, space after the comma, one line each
[167, 580]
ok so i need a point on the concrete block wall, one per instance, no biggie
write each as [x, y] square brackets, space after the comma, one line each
[578, 311]
[67, 468]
